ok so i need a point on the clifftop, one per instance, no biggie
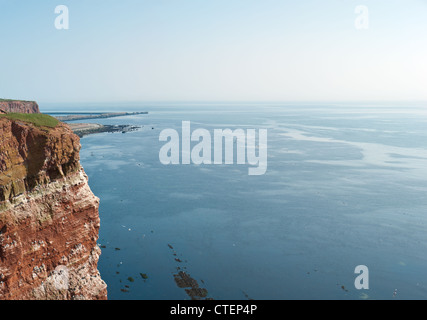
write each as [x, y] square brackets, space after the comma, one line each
[49, 219]
[31, 155]
[18, 106]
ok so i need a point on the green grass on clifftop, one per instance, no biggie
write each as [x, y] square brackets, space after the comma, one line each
[38, 119]
[13, 100]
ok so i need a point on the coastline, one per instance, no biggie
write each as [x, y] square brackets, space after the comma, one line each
[84, 129]
[101, 115]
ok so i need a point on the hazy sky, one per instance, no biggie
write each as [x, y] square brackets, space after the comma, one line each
[213, 50]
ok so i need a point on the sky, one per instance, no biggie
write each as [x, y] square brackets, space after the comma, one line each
[214, 50]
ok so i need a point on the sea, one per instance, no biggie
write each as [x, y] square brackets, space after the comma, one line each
[346, 186]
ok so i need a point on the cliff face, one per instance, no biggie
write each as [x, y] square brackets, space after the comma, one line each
[15, 106]
[49, 220]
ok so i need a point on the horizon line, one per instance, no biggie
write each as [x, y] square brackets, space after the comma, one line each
[228, 101]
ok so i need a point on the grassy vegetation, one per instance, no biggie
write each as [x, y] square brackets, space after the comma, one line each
[12, 100]
[38, 119]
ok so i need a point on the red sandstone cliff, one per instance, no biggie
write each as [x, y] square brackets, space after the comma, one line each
[15, 106]
[49, 220]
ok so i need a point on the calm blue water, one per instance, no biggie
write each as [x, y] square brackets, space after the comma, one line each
[345, 186]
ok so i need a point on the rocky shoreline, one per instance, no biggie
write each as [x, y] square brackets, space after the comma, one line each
[84, 129]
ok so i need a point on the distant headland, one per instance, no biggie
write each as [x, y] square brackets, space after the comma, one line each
[18, 106]
[83, 129]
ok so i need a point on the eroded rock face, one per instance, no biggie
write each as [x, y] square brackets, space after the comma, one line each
[19, 107]
[49, 219]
